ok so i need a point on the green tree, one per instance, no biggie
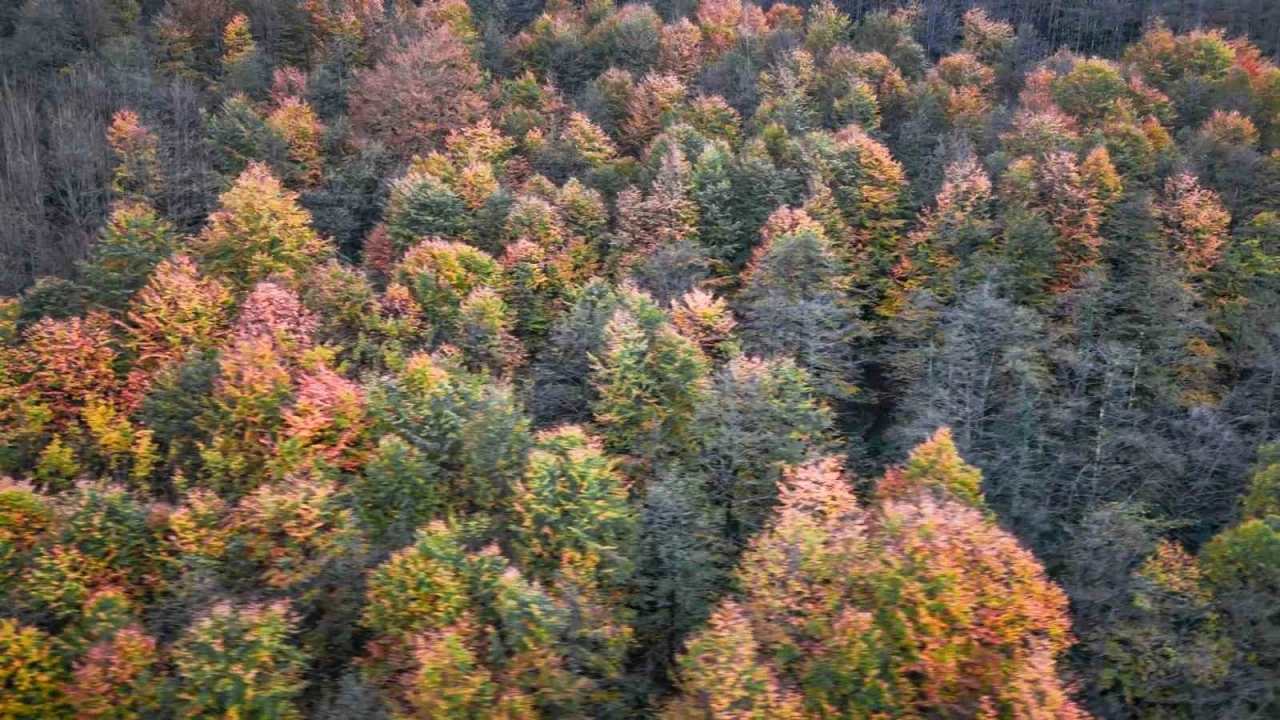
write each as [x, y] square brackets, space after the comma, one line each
[649, 381]
[31, 674]
[571, 507]
[132, 243]
[239, 660]
[794, 302]
[258, 231]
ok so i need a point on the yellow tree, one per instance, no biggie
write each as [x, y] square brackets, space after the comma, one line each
[137, 176]
[918, 605]
[259, 230]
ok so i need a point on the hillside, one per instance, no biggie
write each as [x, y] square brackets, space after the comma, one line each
[697, 360]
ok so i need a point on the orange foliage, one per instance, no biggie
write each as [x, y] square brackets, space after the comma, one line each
[325, 427]
[704, 319]
[419, 93]
[918, 606]
[1195, 221]
[275, 313]
[138, 174]
[680, 49]
[298, 125]
[652, 99]
[67, 363]
[177, 311]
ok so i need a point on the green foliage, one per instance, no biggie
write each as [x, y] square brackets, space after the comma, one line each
[258, 231]
[24, 518]
[760, 416]
[650, 381]
[440, 275]
[133, 242]
[442, 610]
[421, 206]
[795, 303]
[240, 136]
[572, 508]
[238, 661]
[556, 425]
[30, 673]
[450, 440]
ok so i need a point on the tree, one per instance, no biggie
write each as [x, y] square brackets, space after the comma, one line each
[62, 365]
[891, 34]
[589, 141]
[650, 102]
[296, 122]
[680, 49]
[1170, 654]
[484, 335]
[866, 184]
[440, 275]
[831, 591]
[447, 680]
[667, 215]
[117, 677]
[238, 660]
[1195, 222]
[958, 225]
[177, 312]
[426, 599]
[284, 535]
[706, 320]
[449, 441]
[243, 69]
[1241, 567]
[571, 508]
[650, 381]
[794, 303]
[258, 231]
[421, 205]
[133, 242]
[419, 93]
[239, 135]
[31, 674]
[760, 416]
[721, 675]
[1055, 187]
[25, 517]
[245, 415]
[137, 176]
[326, 430]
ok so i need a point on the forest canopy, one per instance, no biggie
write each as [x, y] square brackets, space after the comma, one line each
[686, 360]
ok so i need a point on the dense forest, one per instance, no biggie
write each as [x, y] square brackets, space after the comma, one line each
[501, 359]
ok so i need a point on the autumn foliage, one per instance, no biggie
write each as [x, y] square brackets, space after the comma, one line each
[696, 360]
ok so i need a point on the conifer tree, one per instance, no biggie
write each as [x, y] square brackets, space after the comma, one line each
[134, 240]
[440, 275]
[137, 176]
[649, 381]
[794, 303]
[571, 484]
[449, 440]
[238, 660]
[258, 231]
[421, 205]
